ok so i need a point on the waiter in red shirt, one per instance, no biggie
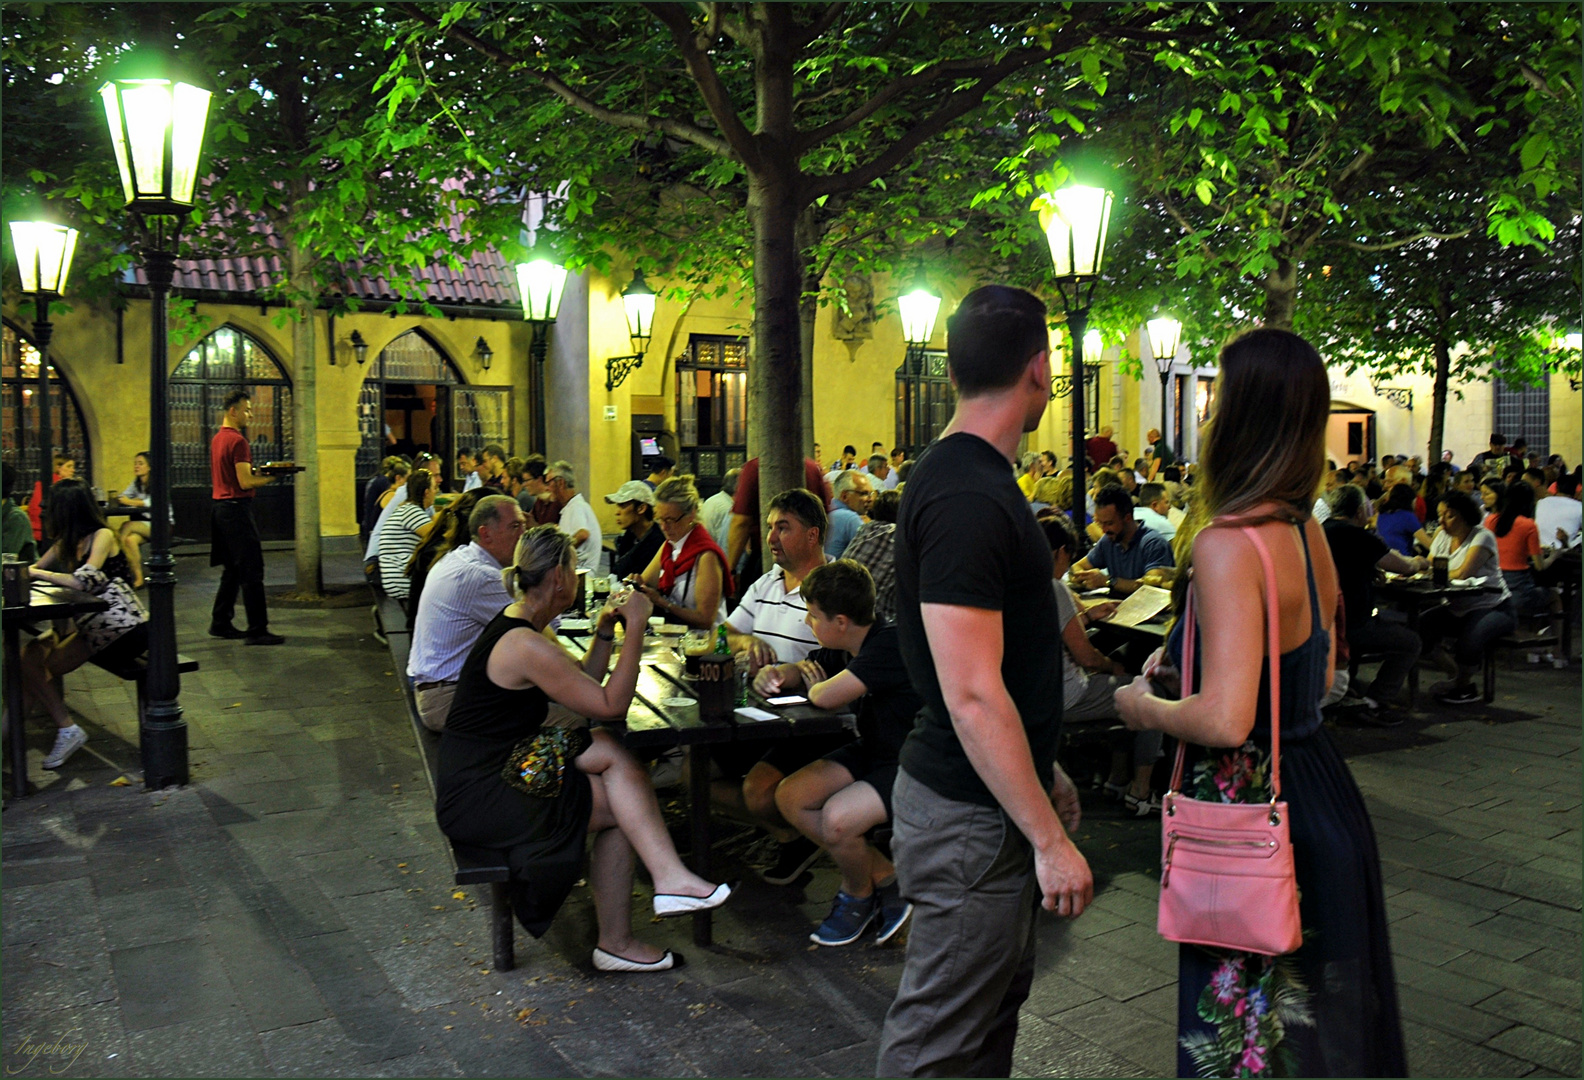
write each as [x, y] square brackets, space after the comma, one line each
[234, 538]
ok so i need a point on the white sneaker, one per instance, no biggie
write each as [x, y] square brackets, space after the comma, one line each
[67, 742]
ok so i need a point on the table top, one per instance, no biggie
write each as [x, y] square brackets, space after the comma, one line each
[115, 509]
[1422, 587]
[54, 602]
[665, 706]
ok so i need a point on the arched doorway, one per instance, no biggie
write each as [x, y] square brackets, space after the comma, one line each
[414, 399]
[225, 360]
[19, 441]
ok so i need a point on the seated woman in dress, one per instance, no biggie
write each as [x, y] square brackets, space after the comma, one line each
[505, 689]
[85, 555]
[687, 580]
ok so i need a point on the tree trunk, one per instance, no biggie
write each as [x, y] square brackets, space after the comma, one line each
[775, 378]
[1438, 399]
[1281, 293]
[305, 418]
[775, 201]
[808, 313]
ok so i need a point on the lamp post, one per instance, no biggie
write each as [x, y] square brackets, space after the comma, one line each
[639, 300]
[1165, 334]
[918, 309]
[1074, 220]
[44, 257]
[540, 283]
[157, 127]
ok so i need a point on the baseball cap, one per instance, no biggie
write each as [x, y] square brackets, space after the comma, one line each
[632, 491]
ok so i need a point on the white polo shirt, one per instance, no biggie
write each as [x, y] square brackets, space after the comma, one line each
[576, 516]
[775, 616]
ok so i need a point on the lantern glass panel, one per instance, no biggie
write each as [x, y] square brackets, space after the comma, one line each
[918, 310]
[1075, 220]
[44, 254]
[189, 117]
[1164, 334]
[640, 314]
[541, 283]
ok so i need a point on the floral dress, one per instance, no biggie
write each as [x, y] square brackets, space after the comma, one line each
[1330, 1008]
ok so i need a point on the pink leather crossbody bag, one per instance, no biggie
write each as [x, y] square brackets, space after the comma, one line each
[1227, 868]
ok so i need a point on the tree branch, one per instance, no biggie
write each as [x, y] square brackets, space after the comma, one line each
[626, 121]
[827, 19]
[1388, 245]
[695, 52]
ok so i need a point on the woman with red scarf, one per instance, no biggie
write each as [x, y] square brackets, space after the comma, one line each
[687, 581]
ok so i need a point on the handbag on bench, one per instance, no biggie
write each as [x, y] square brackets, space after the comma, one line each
[1227, 878]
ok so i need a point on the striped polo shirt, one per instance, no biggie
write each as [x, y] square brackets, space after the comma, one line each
[775, 616]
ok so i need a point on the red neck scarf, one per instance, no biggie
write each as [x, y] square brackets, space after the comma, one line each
[696, 543]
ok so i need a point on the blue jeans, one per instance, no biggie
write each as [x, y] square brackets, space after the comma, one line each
[1474, 632]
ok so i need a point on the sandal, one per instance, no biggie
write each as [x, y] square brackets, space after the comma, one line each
[1141, 807]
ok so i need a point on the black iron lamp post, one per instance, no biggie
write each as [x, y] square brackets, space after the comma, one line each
[639, 300]
[157, 126]
[1165, 334]
[918, 308]
[541, 282]
[1074, 219]
[44, 256]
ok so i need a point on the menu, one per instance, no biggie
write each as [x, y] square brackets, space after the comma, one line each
[1146, 603]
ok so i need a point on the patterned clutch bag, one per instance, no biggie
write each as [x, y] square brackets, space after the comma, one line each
[537, 766]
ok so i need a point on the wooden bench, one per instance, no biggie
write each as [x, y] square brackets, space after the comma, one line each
[136, 670]
[469, 866]
[1514, 641]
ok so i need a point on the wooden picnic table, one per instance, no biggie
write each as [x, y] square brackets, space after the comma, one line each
[665, 714]
[1412, 596]
[45, 603]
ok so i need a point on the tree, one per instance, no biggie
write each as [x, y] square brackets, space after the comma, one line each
[784, 106]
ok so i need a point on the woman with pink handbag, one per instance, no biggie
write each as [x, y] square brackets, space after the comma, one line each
[1270, 875]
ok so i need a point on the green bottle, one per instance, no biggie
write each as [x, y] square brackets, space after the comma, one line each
[721, 648]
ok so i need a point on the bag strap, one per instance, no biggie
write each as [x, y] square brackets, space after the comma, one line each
[1273, 647]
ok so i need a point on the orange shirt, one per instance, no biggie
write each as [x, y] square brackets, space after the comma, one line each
[1521, 541]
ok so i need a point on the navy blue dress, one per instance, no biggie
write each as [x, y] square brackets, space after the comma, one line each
[1345, 960]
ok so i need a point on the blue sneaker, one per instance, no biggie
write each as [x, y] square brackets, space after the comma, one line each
[848, 919]
[894, 912]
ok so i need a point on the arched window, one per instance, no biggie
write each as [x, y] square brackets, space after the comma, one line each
[414, 400]
[224, 361]
[19, 442]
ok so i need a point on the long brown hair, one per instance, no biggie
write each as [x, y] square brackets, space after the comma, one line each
[1265, 441]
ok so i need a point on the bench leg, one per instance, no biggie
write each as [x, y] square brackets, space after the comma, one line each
[501, 935]
[698, 766]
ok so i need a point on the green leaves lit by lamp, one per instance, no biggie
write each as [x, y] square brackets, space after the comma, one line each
[1074, 220]
[918, 309]
[639, 300]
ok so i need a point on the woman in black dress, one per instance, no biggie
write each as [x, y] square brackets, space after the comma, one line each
[502, 696]
[1329, 1008]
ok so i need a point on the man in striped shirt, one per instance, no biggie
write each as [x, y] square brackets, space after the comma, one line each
[463, 593]
[770, 626]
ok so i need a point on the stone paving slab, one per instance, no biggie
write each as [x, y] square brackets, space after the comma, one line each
[291, 912]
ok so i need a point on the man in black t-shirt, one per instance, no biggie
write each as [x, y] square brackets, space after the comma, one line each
[835, 801]
[1358, 553]
[976, 833]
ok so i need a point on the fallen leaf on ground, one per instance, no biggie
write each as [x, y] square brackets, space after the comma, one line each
[120, 781]
[524, 1014]
[459, 895]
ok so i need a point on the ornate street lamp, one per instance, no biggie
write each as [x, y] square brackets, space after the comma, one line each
[918, 309]
[359, 348]
[1165, 334]
[44, 257]
[540, 283]
[157, 127]
[639, 300]
[1074, 220]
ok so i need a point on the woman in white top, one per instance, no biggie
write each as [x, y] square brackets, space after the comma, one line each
[686, 580]
[135, 530]
[1475, 618]
[406, 527]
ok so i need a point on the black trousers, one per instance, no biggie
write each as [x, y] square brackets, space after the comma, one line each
[234, 541]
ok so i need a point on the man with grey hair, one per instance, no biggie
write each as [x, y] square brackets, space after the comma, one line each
[716, 511]
[463, 593]
[578, 519]
[850, 509]
[1031, 467]
[881, 472]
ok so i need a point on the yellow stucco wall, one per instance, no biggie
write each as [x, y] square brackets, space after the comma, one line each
[114, 397]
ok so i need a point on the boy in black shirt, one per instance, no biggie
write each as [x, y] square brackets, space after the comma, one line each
[835, 801]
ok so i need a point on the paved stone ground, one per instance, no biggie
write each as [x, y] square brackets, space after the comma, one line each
[291, 913]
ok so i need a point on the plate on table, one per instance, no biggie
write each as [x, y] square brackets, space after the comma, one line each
[573, 624]
[677, 702]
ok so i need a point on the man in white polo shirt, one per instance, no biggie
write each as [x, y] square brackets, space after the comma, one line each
[578, 519]
[770, 626]
[463, 593]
